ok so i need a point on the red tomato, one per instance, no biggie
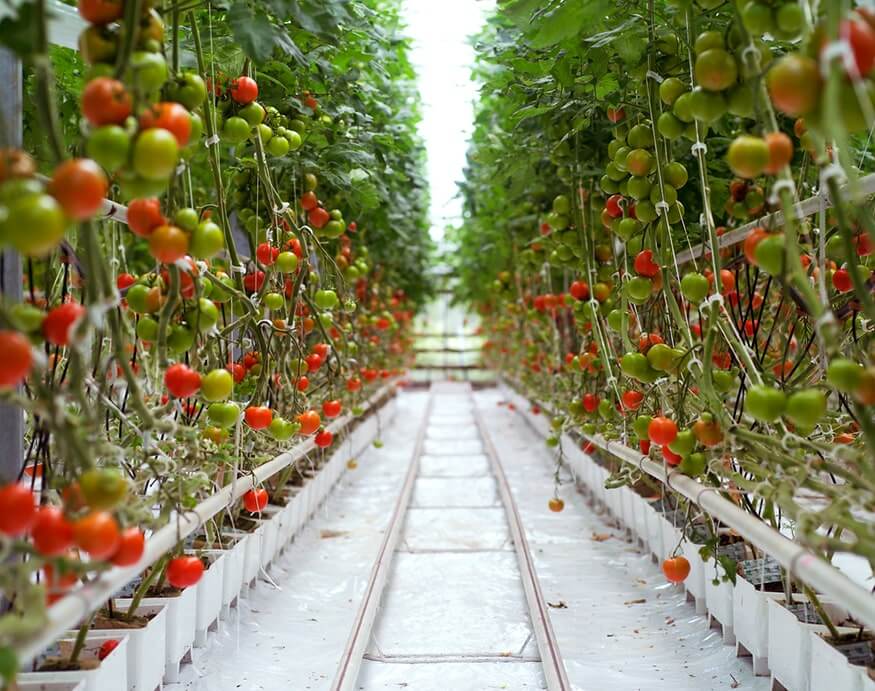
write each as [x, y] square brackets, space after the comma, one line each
[353, 384]
[182, 381]
[170, 116]
[51, 532]
[314, 362]
[331, 408]
[124, 280]
[79, 186]
[144, 216]
[168, 244]
[321, 349]
[310, 421]
[671, 457]
[185, 571]
[61, 321]
[841, 280]
[324, 439]
[613, 207]
[266, 254]
[303, 383]
[644, 264]
[244, 90]
[17, 509]
[258, 417]
[253, 281]
[58, 585]
[662, 431]
[309, 201]
[255, 500]
[105, 101]
[100, 12]
[132, 544]
[17, 358]
[98, 535]
[676, 569]
[632, 400]
[590, 402]
[579, 290]
[237, 370]
[318, 217]
[106, 648]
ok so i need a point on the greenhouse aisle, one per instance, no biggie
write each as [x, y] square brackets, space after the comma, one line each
[454, 614]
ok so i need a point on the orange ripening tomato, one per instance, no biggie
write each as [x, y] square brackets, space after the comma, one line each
[676, 569]
[309, 421]
[79, 186]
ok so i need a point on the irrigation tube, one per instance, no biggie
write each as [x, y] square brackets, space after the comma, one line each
[68, 612]
[805, 208]
[799, 561]
[359, 637]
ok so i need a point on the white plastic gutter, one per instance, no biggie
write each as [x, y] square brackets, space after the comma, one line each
[799, 561]
[69, 611]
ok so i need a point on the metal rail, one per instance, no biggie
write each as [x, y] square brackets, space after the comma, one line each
[353, 652]
[808, 207]
[551, 659]
[68, 612]
[799, 561]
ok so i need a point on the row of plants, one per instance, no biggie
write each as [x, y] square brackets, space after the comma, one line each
[617, 147]
[274, 252]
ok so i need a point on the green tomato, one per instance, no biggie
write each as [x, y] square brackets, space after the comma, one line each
[274, 301]
[253, 113]
[147, 329]
[287, 262]
[844, 375]
[278, 146]
[326, 299]
[639, 289]
[683, 443]
[103, 488]
[26, 317]
[223, 415]
[671, 89]
[207, 240]
[155, 154]
[615, 320]
[642, 422]
[264, 131]
[662, 357]
[189, 90]
[693, 465]
[109, 146]
[805, 408]
[769, 254]
[187, 219]
[180, 339]
[723, 381]
[765, 403]
[147, 71]
[694, 287]
[34, 224]
[636, 366]
[235, 130]
[283, 430]
[205, 317]
[294, 140]
[217, 385]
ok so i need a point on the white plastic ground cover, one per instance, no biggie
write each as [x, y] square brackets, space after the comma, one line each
[454, 615]
[288, 636]
[618, 623]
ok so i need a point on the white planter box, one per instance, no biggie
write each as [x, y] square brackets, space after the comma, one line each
[790, 643]
[209, 594]
[750, 612]
[270, 522]
[181, 622]
[830, 669]
[293, 513]
[232, 576]
[654, 530]
[251, 556]
[628, 508]
[671, 536]
[305, 498]
[146, 648]
[866, 682]
[110, 675]
[48, 686]
[640, 527]
[695, 583]
[719, 600]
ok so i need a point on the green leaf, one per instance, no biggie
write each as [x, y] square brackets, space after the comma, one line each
[606, 85]
[257, 35]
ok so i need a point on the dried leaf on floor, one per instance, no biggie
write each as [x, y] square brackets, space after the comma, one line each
[327, 534]
[557, 605]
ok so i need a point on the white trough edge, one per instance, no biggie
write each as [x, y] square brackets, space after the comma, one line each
[808, 207]
[801, 562]
[66, 613]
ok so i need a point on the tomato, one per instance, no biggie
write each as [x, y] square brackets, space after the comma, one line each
[80, 187]
[676, 569]
[287, 262]
[716, 69]
[865, 390]
[326, 299]
[223, 415]
[318, 217]
[805, 408]
[314, 362]
[59, 584]
[309, 201]
[750, 243]
[103, 488]
[217, 385]
[189, 89]
[707, 430]
[184, 571]
[579, 290]
[795, 84]
[694, 287]
[662, 431]
[258, 417]
[17, 358]
[253, 281]
[331, 408]
[100, 11]
[109, 146]
[590, 402]
[207, 240]
[309, 421]
[51, 532]
[844, 374]
[670, 457]
[61, 321]
[556, 505]
[147, 71]
[644, 264]
[244, 90]
[155, 154]
[98, 535]
[105, 101]
[632, 400]
[17, 509]
[144, 216]
[34, 223]
[780, 152]
[132, 544]
[255, 500]
[323, 439]
[764, 403]
[170, 116]
[168, 244]
[106, 649]
[748, 156]
[769, 253]
[353, 384]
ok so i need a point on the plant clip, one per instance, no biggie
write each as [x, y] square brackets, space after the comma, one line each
[839, 49]
[658, 78]
[778, 187]
[698, 147]
[211, 141]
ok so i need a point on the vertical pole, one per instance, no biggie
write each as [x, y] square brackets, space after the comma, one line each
[11, 417]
